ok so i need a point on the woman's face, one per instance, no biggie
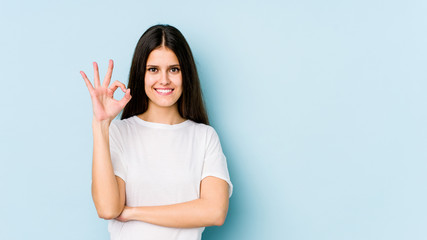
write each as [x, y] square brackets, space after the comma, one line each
[163, 78]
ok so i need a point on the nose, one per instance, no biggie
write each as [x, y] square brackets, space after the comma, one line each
[164, 79]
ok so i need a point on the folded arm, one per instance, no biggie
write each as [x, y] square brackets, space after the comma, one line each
[210, 209]
[108, 190]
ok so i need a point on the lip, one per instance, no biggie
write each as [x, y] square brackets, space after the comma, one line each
[164, 91]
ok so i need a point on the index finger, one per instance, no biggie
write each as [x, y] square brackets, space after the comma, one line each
[107, 78]
[88, 84]
[96, 74]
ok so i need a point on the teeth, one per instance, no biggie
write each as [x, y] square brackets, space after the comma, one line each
[164, 90]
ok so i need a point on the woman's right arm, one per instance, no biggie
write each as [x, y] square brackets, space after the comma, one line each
[108, 191]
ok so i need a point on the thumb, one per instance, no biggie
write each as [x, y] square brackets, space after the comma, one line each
[126, 98]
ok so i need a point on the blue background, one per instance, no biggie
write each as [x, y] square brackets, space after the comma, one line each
[320, 107]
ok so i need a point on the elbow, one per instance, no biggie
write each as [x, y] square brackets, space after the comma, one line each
[219, 222]
[108, 214]
[217, 213]
[219, 218]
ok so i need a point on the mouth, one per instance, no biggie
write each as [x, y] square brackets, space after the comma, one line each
[164, 91]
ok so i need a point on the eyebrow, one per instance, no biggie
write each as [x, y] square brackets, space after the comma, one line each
[170, 66]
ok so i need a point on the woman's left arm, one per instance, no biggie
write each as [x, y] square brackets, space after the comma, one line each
[210, 209]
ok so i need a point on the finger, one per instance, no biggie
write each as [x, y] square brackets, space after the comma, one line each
[125, 99]
[117, 84]
[110, 93]
[109, 73]
[96, 75]
[88, 84]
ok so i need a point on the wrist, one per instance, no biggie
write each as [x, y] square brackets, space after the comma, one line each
[132, 213]
[101, 129]
[101, 123]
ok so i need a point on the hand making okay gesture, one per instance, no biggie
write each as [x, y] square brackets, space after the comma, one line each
[105, 107]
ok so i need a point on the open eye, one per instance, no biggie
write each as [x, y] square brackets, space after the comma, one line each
[174, 70]
[152, 69]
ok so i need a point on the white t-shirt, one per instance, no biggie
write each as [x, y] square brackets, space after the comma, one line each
[163, 164]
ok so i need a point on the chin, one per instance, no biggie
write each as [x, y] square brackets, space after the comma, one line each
[165, 104]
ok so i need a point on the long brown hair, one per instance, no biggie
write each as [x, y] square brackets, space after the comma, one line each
[190, 104]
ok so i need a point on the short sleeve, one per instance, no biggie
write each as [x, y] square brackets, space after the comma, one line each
[215, 163]
[116, 151]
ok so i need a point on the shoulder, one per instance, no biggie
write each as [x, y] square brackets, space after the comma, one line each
[206, 133]
[203, 128]
[122, 123]
[121, 126]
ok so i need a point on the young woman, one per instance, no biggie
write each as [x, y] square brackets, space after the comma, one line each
[159, 172]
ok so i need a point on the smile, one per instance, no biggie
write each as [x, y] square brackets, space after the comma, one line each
[164, 91]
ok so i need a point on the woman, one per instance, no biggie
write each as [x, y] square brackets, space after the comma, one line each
[159, 172]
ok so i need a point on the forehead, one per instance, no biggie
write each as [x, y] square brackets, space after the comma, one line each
[162, 56]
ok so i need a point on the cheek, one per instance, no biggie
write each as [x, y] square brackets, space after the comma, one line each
[149, 81]
[178, 81]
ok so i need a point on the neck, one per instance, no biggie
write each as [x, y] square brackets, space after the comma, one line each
[165, 115]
